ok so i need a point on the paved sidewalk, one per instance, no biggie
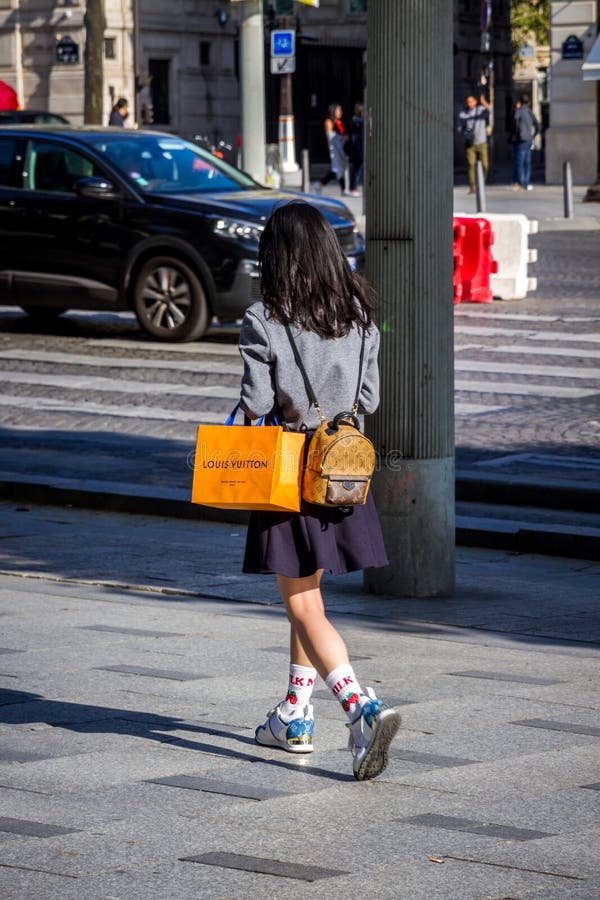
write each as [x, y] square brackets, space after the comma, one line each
[545, 203]
[136, 662]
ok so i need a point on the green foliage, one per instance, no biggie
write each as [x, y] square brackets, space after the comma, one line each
[529, 17]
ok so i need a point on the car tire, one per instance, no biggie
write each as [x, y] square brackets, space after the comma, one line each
[44, 314]
[169, 300]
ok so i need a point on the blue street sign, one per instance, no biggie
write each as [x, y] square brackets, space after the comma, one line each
[283, 44]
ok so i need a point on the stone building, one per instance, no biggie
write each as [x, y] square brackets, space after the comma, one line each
[185, 55]
[531, 76]
[573, 132]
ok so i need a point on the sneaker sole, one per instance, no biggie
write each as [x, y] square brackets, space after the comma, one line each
[272, 741]
[375, 759]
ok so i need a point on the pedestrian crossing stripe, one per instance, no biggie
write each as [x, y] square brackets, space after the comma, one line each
[520, 317]
[514, 368]
[156, 413]
[118, 385]
[530, 335]
[200, 367]
[202, 359]
[523, 350]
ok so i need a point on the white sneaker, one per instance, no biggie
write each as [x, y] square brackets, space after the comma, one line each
[370, 737]
[295, 735]
[317, 187]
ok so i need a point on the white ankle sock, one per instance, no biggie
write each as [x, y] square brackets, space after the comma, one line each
[343, 684]
[300, 688]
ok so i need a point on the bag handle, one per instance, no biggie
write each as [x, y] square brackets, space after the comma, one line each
[309, 391]
[271, 418]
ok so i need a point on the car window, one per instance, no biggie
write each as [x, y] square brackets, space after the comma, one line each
[47, 119]
[7, 152]
[51, 167]
[164, 165]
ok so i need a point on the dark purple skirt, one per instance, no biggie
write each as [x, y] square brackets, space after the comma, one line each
[318, 537]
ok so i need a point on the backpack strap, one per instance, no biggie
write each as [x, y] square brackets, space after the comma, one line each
[309, 391]
[360, 368]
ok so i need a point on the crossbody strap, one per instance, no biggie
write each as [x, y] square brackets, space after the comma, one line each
[309, 391]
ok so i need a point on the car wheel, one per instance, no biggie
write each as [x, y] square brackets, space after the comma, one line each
[169, 300]
[43, 314]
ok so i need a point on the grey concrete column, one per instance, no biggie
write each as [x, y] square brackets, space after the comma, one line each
[408, 194]
[252, 55]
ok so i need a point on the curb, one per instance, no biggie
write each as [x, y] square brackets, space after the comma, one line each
[519, 490]
[471, 531]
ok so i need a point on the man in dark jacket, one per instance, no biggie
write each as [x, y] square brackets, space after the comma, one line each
[526, 127]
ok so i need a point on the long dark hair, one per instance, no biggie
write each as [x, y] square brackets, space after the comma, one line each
[305, 277]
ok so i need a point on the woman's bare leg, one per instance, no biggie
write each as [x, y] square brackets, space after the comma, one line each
[313, 640]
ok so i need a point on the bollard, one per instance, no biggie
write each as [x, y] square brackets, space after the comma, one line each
[479, 186]
[305, 171]
[568, 190]
[347, 177]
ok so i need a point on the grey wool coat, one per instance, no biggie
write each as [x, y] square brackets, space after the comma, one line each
[271, 375]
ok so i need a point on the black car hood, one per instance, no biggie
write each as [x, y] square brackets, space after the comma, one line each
[254, 205]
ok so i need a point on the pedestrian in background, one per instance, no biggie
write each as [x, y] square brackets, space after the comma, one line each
[526, 129]
[513, 143]
[357, 138]
[337, 139]
[119, 113]
[307, 283]
[473, 124]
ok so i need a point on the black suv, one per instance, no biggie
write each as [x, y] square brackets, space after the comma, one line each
[117, 219]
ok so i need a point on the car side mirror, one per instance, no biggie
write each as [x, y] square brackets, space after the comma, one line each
[96, 188]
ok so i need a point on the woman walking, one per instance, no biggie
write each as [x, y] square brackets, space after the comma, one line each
[336, 145]
[308, 285]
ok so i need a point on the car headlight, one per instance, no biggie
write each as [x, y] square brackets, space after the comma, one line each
[237, 229]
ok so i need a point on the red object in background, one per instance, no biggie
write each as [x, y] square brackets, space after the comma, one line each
[458, 234]
[8, 97]
[477, 264]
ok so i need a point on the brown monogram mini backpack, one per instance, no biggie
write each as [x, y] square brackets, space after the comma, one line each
[341, 460]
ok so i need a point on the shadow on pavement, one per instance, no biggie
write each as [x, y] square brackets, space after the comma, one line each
[22, 707]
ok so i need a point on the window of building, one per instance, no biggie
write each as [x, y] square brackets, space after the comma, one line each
[110, 48]
[158, 69]
[7, 152]
[357, 7]
[205, 53]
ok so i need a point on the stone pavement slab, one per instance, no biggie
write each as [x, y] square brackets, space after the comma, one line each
[488, 794]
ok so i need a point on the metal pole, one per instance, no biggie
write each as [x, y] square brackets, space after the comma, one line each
[305, 171]
[19, 80]
[253, 89]
[480, 186]
[137, 61]
[568, 190]
[409, 261]
[286, 132]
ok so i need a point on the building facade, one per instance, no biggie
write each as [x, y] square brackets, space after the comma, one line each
[573, 132]
[182, 59]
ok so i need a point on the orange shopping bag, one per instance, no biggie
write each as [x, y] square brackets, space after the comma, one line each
[248, 467]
